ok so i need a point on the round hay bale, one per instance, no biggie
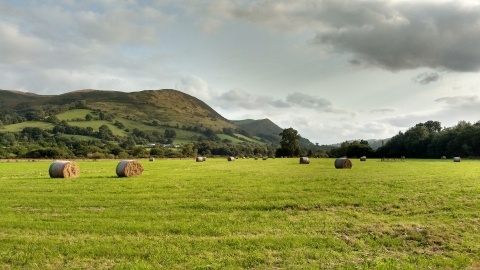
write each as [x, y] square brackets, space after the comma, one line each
[343, 163]
[364, 158]
[304, 160]
[264, 158]
[231, 159]
[443, 157]
[256, 158]
[199, 159]
[204, 158]
[63, 169]
[151, 159]
[128, 168]
[456, 159]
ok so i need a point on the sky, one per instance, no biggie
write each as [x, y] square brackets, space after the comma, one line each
[334, 70]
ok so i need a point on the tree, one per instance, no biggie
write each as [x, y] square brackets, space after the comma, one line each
[169, 133]
[289, 143]
[128, 144]
[88, 117]
[105, 133]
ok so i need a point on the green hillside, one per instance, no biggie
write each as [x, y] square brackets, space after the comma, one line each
[126, 114]
[166, 107]
[262, 126]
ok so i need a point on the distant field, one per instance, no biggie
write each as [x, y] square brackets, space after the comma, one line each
[247, 138]
[75, 114]
[20, 126]
[228, 137]
[183, 136]
[273, 214]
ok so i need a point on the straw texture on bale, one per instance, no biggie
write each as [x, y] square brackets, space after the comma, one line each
[64, 169]
[456, 159]
[343, 163]
[128, 168]
[231, 159]
[199, 159]
[264, 158]
[364, 158]
[304, 160]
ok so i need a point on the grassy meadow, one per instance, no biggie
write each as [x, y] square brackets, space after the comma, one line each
[273, 214]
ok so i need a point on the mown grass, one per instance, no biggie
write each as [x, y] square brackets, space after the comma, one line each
[228, 137]
[75, 114]
[273, 214]
[20, 126]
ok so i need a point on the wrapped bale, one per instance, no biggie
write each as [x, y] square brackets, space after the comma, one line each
[343, 163]
[199, 159]
[264, 158]
[64, 169]
[456, 159]
[128, 168]
[364, 158]
[304, 160]
[231, 159]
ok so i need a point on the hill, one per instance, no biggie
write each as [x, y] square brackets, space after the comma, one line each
[166, 107]
[262, 126]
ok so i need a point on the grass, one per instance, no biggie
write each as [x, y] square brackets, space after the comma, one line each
[20, 126]
[228, 137]
[75, 114]
[274, 214]
[248, 139]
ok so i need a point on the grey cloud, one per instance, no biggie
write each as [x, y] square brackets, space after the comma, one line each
[384, 110]
[280, 104]
[336, 110]
[394, 35]
[307, 101]
[355, 62]
[459, 100]
[426, 78]
[243, 99]
[409, 35]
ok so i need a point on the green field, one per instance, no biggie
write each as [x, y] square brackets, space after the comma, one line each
[20, 126]
[75, 114]
[273, 214]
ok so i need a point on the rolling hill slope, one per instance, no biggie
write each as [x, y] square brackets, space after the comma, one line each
[166, 107]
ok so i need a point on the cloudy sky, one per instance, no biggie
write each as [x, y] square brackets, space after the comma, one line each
[332, 69]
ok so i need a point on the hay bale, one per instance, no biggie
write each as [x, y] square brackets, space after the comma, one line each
[364, 158]
[304, 160]
[199, 159]
[151, 159]
[456, 159]
[204, 158]
[63, 169]
[231, 159]
[264, 158]
[128, 168]
[443, 157]
[256, 158]
[343, 163]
